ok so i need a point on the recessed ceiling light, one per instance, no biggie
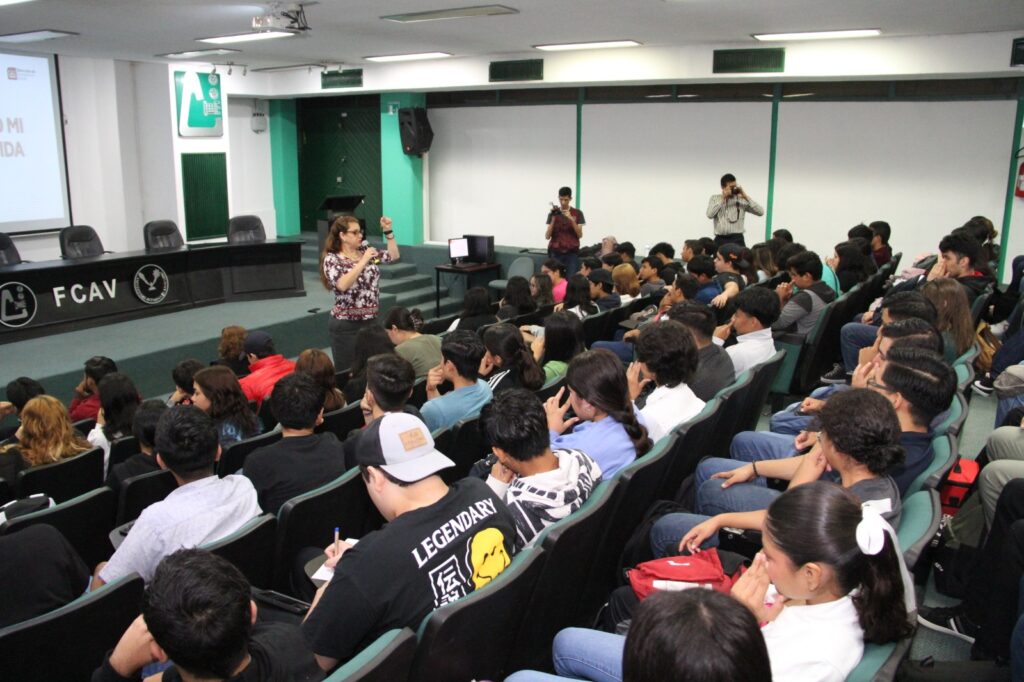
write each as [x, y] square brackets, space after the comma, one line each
[35, 36]
[290, 67]
[455, 13]
[600, 45]
[408, 57]
[245, 37]
[819, 35]
[192, 54]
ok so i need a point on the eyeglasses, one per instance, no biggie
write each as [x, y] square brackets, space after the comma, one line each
[879, 387]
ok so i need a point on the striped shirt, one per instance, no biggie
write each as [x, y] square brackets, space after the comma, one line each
[727, 215]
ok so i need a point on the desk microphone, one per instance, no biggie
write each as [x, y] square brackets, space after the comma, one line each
[366, 245]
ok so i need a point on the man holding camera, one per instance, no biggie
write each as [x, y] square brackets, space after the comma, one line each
[727, 210]
[564, 229]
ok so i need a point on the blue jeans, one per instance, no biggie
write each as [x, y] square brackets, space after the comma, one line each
[569, 260]
[789, 422]
[713, 499]
[1004, 406]
[670, 529]
[853, 337]
[581, 654]
[756, 446]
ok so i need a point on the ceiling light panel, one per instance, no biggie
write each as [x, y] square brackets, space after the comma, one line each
[192, 54]
[820, 35]
[417, 56]
[455, 13]
[35, 36]
[599, 45]
[245, 37]
[12, 2]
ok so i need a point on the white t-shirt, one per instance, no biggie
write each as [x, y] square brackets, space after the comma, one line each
[666, 407]
[750, 349]
[820, 643]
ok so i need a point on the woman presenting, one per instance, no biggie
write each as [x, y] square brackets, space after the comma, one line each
[349, 268]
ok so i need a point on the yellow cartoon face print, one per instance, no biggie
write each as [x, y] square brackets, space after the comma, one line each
[487, 556]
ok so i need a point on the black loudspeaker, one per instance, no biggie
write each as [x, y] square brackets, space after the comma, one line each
[1017, 55]
[415, 129]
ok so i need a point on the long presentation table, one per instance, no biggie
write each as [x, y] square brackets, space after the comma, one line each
[46, 297]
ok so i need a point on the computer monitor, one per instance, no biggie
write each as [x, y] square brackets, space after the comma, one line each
[481, 248]
[458, 249]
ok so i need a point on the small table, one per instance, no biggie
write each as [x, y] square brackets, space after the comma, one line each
[468, 270]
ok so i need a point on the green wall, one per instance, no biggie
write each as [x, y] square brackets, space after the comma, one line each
[401, 175]
[339, 137]
[284, 163]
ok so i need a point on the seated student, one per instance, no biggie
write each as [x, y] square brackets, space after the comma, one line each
[804, 297]
[953, 316]
[757, 309]
[881, 252]
[714, 366]
[422, 350]
[762, 261]
[856, 453]
[691, 248]
[539, 485]
[577, 298]
[218, 394]
[666, 355]
[562, 341]
[266, 366]
[610, 261]
[302, 460]
[703, 268]
[198, 613]
[389, 382]
[850, 265]
[602, 291]
[371, 340]
[666, 254]
[542, 290]
[608, 245]
[607, 425]
[962, 259]
[45, 436]
[203, 508]
[86, 402]
[461, 353]
[918, 384]
[440, 544]
[507, 362]
[118, 401]
[856, 335]
[733, 271]
[40, 572]
[838, 583]
[627, 252]
[517, 299]
[650, 277]
[144, 461]
[476, 310]
[19, 391]
[318, 365]
[183, 374]
[555, 269]
[910, 333]
[588, 264]
[231, 350]
[626, 283]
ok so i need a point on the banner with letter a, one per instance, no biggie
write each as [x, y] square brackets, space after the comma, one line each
[200, 112]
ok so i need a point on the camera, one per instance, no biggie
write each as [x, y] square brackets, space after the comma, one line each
[736, 190]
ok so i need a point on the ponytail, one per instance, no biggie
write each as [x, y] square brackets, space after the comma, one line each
[404, 319]
[598, 376]
[821, 522]
[636, 431]
[531, 376]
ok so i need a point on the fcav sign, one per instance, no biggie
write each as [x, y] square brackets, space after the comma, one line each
[85, 293]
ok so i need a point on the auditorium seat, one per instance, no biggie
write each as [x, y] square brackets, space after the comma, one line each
[8, 251]
[251, 550]
[85, 522]
[467, 446]
[233, 457]
[162, 234]
[138, 492]
[521, 267]
[65, 479]
[246, 229]
[693, 445]
[121, 449]
[80, 241]
[388, 659]
[342, 421]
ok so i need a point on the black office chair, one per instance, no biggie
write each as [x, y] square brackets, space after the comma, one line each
[246, 229]
[232, 459]
[138, 492]
[65, 479]
[83, 630]
[266, 415]
[8, 251]
[80, 241]
[251, 549]
[85, 522]
[162, 234]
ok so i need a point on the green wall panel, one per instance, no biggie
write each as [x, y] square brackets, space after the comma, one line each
[284, 162]
[204, 179]
[339, 137]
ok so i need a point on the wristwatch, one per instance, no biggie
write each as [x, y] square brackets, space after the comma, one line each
[390, 234]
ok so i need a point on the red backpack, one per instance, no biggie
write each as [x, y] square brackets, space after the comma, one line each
[675, 573]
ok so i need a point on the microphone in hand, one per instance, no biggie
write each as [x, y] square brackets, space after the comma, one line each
[366, 245]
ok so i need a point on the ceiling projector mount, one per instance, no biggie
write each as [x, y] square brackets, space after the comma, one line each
[282, 16]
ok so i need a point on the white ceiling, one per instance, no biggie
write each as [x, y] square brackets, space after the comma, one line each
[345, 31]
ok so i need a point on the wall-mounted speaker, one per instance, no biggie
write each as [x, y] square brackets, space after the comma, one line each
[1017, 54]
[415, 130]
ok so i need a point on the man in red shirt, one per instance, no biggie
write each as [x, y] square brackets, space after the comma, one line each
[266, 366]
[564, 229]
[86, 402]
